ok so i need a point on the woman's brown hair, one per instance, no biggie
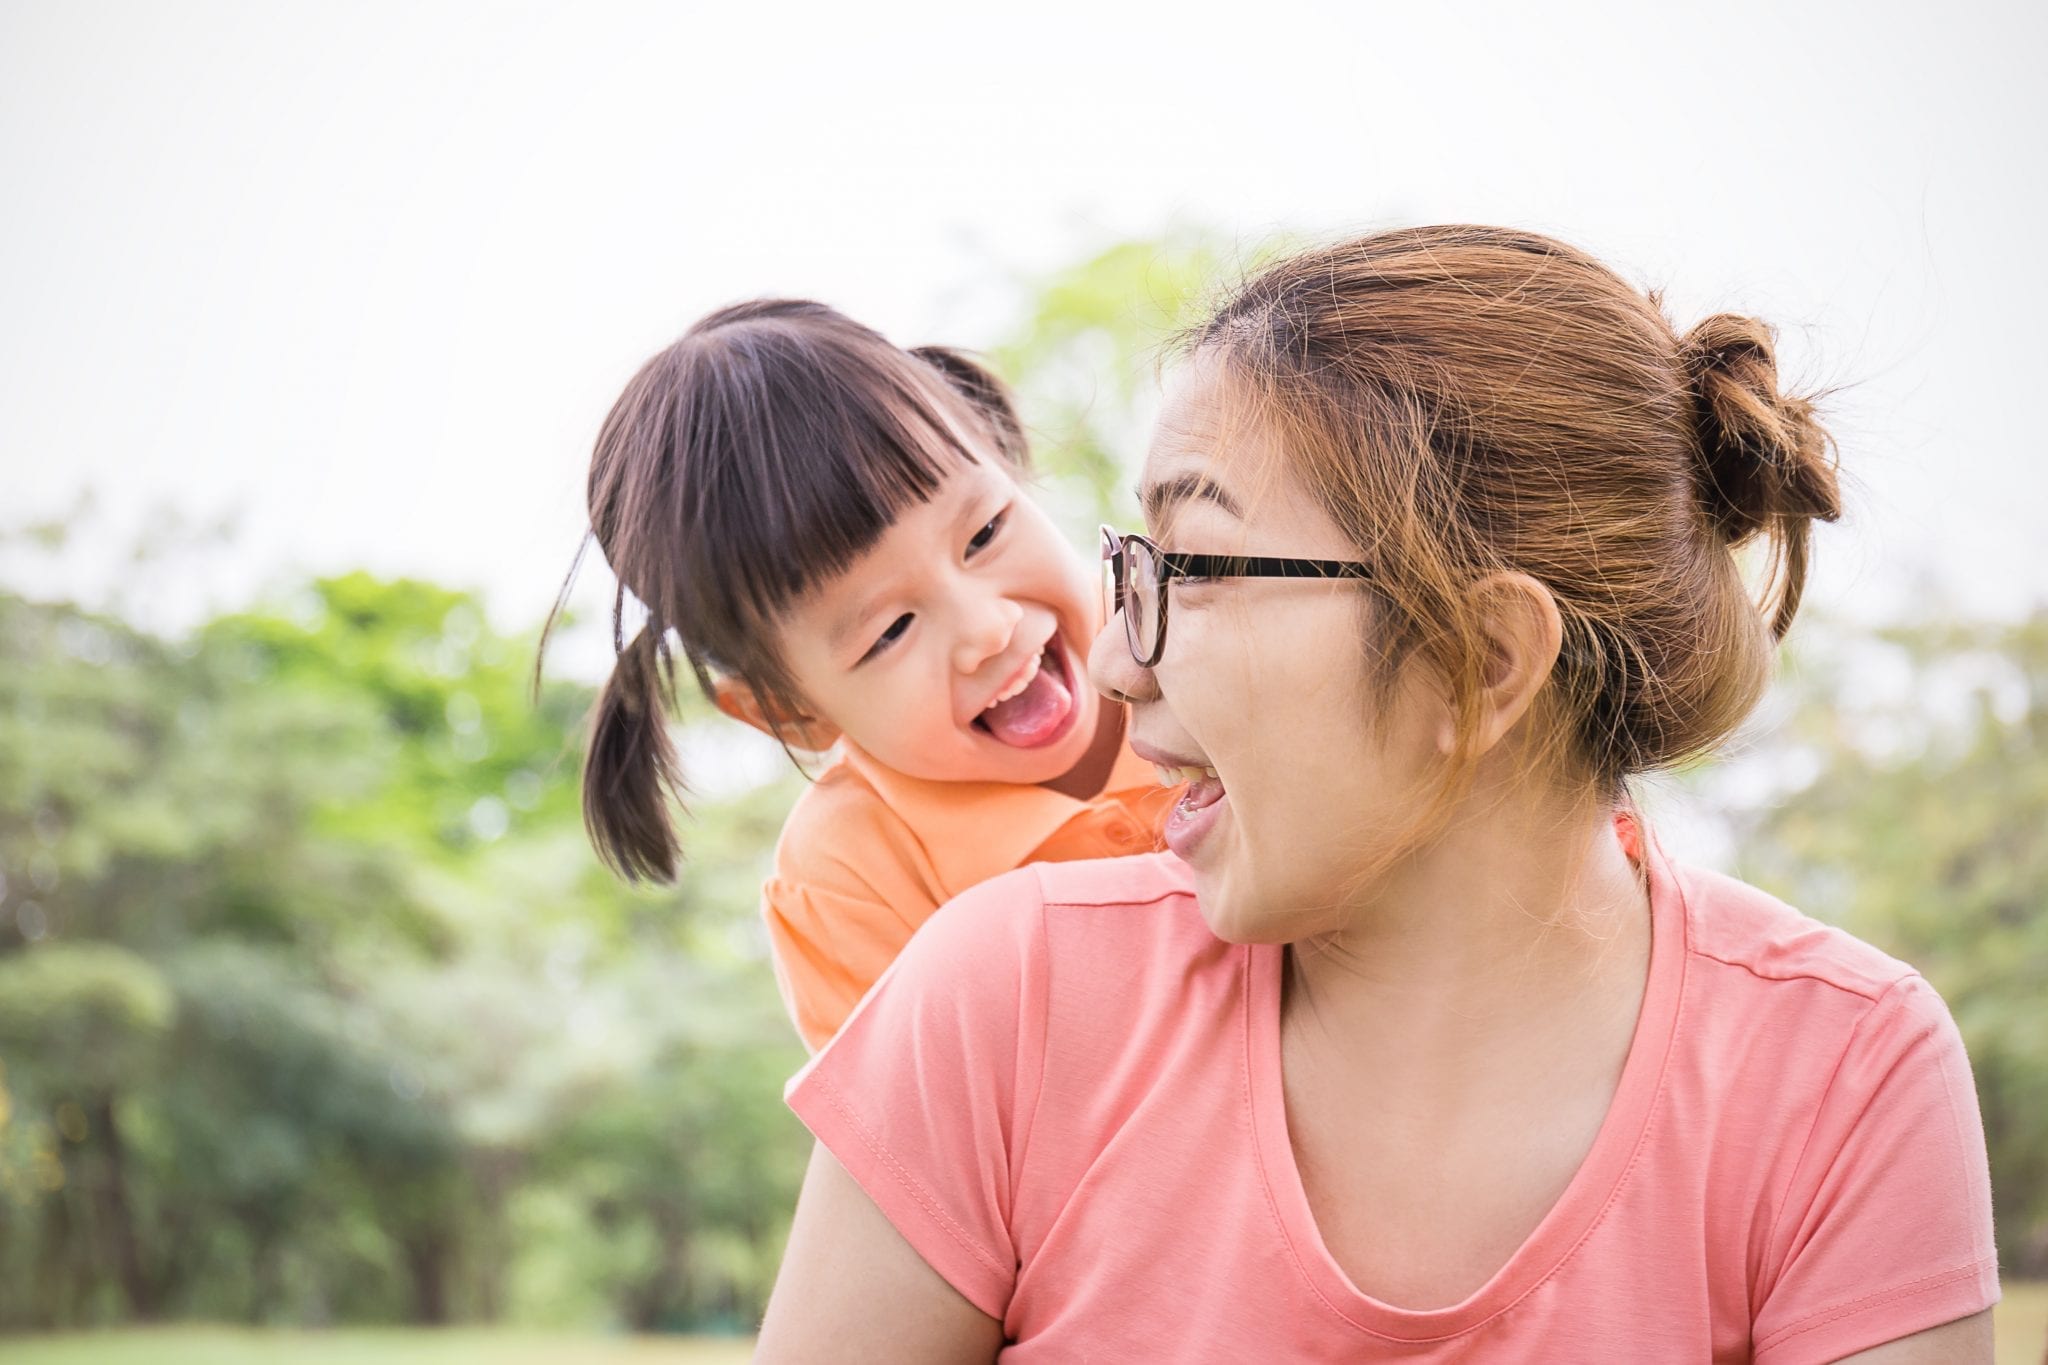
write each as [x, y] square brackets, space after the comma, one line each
[757, 457]
[1472, 400]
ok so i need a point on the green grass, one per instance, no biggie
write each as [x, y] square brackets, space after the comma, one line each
[2022, 1340]
[364, 1346]
[2022, 1318]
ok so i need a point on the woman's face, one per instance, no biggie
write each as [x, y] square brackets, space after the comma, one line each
[1265, 681]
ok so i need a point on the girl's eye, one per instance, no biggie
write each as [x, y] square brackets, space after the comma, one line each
[889, 636]
[988, 533]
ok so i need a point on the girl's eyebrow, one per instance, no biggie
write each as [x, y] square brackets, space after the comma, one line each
[845, 627]
[1159, 498]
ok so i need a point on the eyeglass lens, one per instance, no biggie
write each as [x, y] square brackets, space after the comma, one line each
[1141, 599]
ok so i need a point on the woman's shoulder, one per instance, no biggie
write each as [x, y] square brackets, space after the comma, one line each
[1129, 883]
[1122, 904]
[1837, 1098]
[982, 982]
[1777, 1003]
[1740, 926]
[1098, 944]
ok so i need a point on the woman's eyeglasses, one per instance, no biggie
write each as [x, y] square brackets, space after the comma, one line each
[1139, 572]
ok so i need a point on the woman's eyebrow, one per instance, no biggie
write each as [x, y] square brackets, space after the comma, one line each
[1159, 498]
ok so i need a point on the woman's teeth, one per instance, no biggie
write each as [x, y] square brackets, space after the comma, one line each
[1173, 777]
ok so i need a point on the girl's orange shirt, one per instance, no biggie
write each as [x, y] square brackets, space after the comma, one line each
[868, 854]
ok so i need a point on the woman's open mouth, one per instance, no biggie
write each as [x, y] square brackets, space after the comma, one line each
[1198, 809]
[1039, 708]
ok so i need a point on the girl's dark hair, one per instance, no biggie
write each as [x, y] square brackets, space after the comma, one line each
[757, 457]
[1468, 400]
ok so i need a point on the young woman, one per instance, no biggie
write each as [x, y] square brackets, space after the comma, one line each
[1415, 1045]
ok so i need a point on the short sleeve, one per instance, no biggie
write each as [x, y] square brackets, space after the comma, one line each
[926, 1094]
[1885, 1229]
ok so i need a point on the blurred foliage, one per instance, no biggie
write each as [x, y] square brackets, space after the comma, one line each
[316, 1008]
[1085, 356]
[310, 990]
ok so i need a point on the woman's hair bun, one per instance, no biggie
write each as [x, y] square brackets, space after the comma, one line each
[1763, 462]
[1763, 455]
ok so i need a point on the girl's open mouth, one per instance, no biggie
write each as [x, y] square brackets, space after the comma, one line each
[1039, 712]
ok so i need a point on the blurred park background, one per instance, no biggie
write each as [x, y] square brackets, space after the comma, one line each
[318, 1020]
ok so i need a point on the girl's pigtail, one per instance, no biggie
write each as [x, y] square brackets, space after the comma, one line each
[632, 774]
[990, 396]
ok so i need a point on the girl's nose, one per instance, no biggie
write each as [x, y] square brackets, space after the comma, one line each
[1113, 670]
[986, 631]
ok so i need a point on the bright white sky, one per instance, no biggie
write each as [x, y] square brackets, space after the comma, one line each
[370, 274]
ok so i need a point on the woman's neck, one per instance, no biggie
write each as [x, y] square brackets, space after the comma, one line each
[1517, 933]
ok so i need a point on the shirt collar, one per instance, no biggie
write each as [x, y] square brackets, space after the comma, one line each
[972, 831]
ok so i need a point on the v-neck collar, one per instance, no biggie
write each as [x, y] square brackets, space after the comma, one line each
[1593, 1187]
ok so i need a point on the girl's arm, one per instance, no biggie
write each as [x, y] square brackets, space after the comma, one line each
[852, 1289]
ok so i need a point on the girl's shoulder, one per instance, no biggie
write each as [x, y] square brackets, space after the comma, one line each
[838, 828]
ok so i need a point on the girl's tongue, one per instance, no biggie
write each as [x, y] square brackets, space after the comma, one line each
[1035, 715]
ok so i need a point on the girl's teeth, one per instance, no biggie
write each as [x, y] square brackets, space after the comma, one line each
[1173, 777]
[1022, 683]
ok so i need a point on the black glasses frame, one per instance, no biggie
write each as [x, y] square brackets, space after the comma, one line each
[1119, 551]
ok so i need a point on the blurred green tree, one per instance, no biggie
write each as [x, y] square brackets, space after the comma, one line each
[306, 964]
[1083, 360]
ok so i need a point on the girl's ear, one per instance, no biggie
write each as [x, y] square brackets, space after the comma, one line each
[743, 704]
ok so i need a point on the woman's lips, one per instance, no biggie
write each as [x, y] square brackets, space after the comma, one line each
[1199, 807]
[1195, 814]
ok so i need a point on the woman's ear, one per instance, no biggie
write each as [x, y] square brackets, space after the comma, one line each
[1523, 632]
[743, 704]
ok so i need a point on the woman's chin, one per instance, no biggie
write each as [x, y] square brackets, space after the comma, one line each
[1228, 895]
[1243, 932]
[1231, 916]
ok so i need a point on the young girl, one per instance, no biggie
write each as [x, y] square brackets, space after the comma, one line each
[832, 533]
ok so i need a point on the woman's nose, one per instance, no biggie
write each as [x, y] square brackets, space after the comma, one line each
[1112, 669]
[987, 627]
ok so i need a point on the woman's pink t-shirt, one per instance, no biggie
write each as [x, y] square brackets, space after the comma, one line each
[1066, 1095]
